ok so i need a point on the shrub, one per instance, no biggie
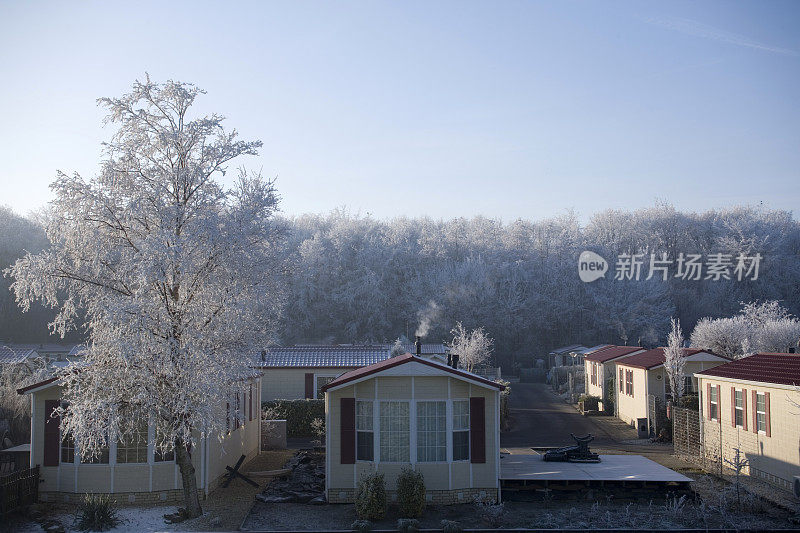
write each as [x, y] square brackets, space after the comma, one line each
[407, 525]
[299, 415]
[490, 511]
[371, 497]
[96, 513]
[411, 493]
[361, 526]
[449, 526]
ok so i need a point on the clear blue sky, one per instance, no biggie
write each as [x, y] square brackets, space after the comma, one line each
[506, 109]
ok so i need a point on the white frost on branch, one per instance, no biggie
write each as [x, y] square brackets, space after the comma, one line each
[173, 277]
[674, 361]
[759, 327]
[472, 347]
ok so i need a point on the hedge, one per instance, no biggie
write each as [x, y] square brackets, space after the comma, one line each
[298, 414]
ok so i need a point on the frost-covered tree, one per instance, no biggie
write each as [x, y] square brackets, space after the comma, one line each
[173, 276]
[674, 362]
[472, 347]
[759, 327]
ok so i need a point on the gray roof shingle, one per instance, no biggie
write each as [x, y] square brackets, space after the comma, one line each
[335, 355]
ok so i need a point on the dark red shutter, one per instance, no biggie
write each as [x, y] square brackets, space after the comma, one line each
[52, 434]
[755, 411]
[477, 430]
[719, 404]
[744, 409]
[309, 385]
[708, 400]
[733, 407]
[767, 415]
[348, 431]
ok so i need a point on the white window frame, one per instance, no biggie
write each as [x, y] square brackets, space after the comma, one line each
[316, 386]
[763, 413]
[417, 430]
[129, 445]
[714, 402]
[411, 431]
[373, 431]
[412, 412]
[454, 431]
[738, 408]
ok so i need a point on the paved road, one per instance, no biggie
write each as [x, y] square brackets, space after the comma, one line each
[540, 418]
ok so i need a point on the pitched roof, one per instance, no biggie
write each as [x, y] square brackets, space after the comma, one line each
[401, 360]
[336, 355]
[567, 349]
[45, 347]
[655, 357]
[14, 354]
[610, 352]
[427, 348]
[780, 368]
[328, 356]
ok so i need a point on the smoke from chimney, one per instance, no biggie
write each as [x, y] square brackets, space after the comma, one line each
[427, 316]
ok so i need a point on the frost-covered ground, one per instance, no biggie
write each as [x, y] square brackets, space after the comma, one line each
[714, 506]
[132, 519]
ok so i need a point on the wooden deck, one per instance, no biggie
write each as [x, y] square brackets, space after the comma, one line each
[623, 474]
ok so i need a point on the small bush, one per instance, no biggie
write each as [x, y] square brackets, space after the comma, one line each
[96, 513]
[299, 415]
[490, 511]
[449, 526]
[371, 497]
[361, 526]
[411, 493]
[407, 525]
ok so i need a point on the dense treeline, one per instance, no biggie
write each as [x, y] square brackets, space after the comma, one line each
[356, 279]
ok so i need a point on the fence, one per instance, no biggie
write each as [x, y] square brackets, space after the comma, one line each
[656, 415]
[686, 440]
[19, 489]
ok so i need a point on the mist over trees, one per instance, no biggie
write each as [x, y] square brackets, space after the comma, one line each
[359, 279]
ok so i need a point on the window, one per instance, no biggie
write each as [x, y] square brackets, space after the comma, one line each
[431, 431]
[621, 381]
[135, 449]
[161, 455]
[100, 458]
[761, 412]
[688, 385]
[321, 382]
[394, 440]
[365, 436]
[629, 382]
[67, 449]
[713, 404]
[461, 430]
[738, 408]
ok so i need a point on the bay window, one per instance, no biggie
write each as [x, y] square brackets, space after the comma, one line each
[395, 441]
[365, 436]
[431, 431]
[461, 430]
[134, 450]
